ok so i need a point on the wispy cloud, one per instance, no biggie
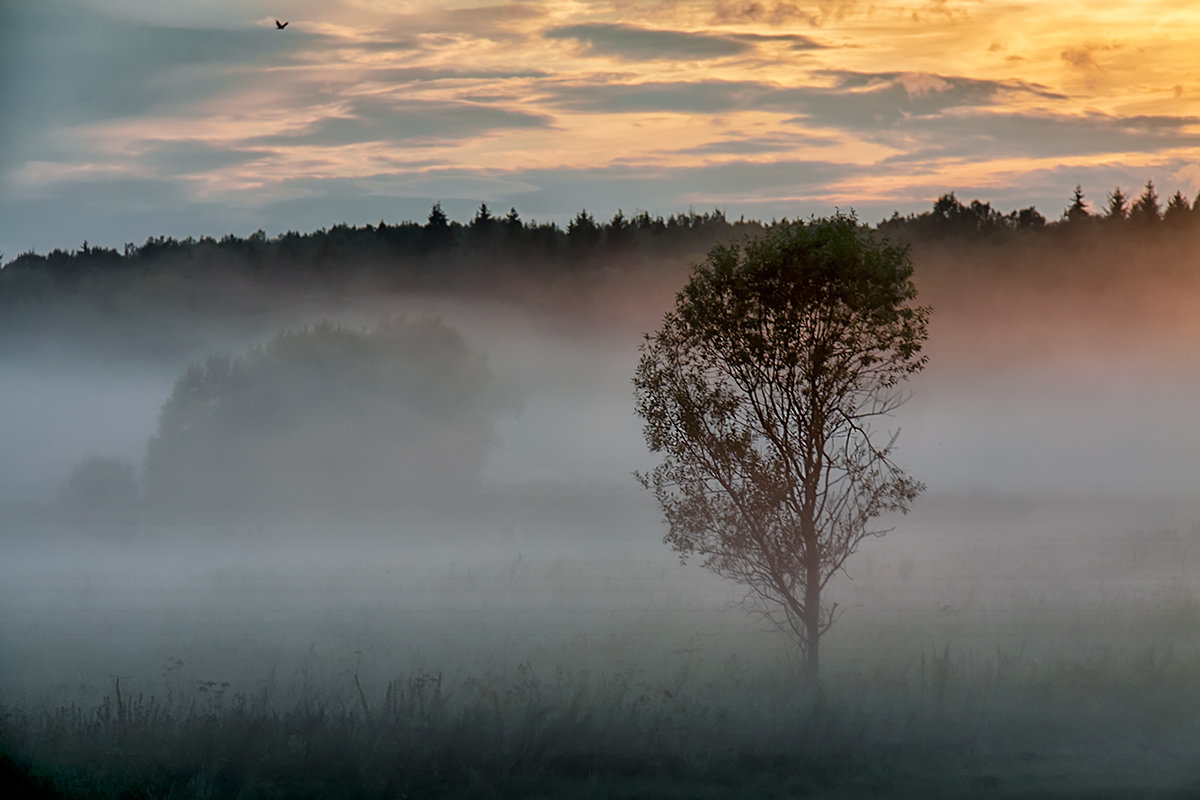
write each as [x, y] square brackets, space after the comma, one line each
[1042, 136]
[640, 44]
[631, 43]
[755, 145]
[1084, 56]
[778, 12]
[379, 119]
[837, 98]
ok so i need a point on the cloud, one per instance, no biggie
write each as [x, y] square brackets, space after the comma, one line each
[630, 43]
[693, 97]
[942, 8]
[855, 101]
[780, 12]
[753, 145]
[556, 193]
[479, 21]
[374, 120]
[739, 184]
[918, 84]
[429, 74]
[1188, 176]
[487, 16]
[795, 40]
[76, 66]
[870, 103]
[1081, 57]
[999, 134]
[182, 158]
[109, 213]
[383, 27]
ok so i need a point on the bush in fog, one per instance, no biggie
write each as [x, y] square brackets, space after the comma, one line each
[329, 417]
[99, 486]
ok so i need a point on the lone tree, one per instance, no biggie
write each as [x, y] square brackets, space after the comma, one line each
[759, 392]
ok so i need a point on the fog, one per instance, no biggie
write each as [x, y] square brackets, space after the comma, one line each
[1027, 391]
[54, 414]
[1060, 448]
[1093, 421]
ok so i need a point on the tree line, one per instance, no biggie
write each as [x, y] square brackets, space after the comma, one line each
[1120, 213]
[158, 298]
[168, 297]
[406, 253]
[442, 251]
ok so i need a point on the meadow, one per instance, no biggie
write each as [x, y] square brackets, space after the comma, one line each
[990, 647]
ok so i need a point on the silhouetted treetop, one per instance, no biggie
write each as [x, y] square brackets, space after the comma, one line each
[951, 217]
[1118, 205]
[1146, 210]
[1078, 211]
[1178, 211]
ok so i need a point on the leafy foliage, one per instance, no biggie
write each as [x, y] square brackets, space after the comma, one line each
[759, 391]
[327, 416]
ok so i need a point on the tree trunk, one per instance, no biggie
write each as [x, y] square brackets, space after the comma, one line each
[812, 617]
[812, 588]
[813, 463]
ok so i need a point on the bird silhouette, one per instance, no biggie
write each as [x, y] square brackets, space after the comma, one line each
[280, 25]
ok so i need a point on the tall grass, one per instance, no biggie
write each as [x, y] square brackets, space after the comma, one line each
[946, 722]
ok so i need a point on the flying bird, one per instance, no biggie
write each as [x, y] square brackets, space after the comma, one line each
[280, 25]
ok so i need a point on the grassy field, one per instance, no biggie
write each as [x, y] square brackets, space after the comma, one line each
[974, 662]
[954, 726]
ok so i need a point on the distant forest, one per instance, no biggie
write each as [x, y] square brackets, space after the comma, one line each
[126, 298]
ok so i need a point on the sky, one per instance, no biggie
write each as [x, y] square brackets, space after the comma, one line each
[125, 119]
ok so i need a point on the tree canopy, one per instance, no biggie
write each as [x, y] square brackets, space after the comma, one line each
[758, 394]
[327, 416]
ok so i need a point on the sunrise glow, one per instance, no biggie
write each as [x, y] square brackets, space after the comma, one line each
[759, 108]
